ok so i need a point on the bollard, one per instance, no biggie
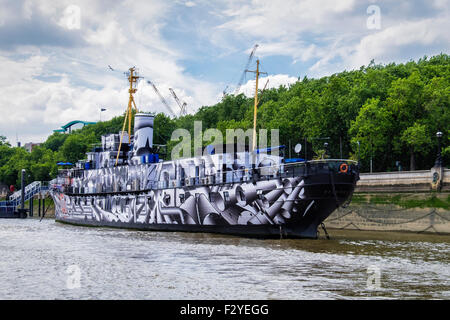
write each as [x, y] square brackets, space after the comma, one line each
[22, 211]
[31, 206]
[22, 182]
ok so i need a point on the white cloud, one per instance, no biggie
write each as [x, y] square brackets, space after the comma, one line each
[51, 75]
[271, 19]
[190, 4]
[127, 34]
[274, 81]
[393, 43]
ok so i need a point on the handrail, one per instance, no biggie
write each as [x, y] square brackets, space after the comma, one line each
[283, 170]
[30, 190]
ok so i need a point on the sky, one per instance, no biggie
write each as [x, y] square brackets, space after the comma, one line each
[54, 55]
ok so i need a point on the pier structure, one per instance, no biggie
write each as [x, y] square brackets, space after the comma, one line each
[14, 206]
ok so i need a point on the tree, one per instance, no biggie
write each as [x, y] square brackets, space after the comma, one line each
[373, 128]
[405, 102]
[3, 141]
[55, 141]
[75, 147]
[417, 139]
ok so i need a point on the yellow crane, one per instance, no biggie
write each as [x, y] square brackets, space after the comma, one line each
[255, 110]
[132, 79]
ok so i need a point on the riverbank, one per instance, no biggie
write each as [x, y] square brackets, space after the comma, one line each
[424, 212]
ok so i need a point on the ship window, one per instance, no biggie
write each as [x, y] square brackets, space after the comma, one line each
[260, 195]
[167, 199]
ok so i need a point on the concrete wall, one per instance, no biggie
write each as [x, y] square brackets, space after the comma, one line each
[390, 218]
[415, 185]
[401, 181]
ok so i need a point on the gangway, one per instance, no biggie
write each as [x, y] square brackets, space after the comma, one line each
[9, 207]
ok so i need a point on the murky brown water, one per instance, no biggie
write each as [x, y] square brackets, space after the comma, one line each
[41, 260]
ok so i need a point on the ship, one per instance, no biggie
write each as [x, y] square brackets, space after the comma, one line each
[248, 191]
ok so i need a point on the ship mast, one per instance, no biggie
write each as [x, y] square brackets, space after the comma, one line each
[257, 72]
[132, 79]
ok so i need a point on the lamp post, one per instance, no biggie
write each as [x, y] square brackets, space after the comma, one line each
[312, 139]
[358, 149]
[101, 110]
[438, 162]
[325, 145]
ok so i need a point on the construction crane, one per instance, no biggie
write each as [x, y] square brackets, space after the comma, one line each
[133, 78]
[161, 97]
[252, 54]
[181, 105]
[154, 88]
[224, 92]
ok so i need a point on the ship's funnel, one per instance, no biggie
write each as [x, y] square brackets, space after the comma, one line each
[143, 134]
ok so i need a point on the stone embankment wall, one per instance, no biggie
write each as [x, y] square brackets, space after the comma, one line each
[397, 201]
[401, 181]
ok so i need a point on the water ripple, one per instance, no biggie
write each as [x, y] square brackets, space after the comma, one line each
[125, 264]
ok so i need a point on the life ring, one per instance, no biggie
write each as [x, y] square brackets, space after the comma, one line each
[343, 168]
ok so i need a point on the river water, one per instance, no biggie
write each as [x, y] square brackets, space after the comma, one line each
[49, 260]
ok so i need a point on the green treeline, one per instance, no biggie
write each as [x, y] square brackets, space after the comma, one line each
[393, 110]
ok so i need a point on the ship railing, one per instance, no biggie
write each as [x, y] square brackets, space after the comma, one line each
[284, 170]
[248, 174]
[14, 200]
[32, 188]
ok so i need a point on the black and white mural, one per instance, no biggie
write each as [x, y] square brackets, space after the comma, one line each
[215, 189]
[186, 191]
